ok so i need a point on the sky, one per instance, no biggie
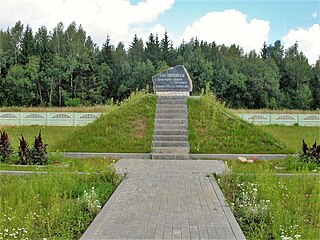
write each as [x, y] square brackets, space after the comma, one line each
[247, 23]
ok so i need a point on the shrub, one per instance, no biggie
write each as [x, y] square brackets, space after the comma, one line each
[39, 151]
[5, 147]
[24, 152]
[90, 202]
[73, 102]
[310, 154]
[37, 155]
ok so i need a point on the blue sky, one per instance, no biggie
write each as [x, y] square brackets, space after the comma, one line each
[283, 15]
[247, 23]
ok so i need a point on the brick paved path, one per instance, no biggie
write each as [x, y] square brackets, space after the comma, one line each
[163, 199]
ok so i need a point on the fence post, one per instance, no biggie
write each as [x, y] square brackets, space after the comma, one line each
[270, 119]
[74, 119]
[47, 119]
[20, 118]
[299, 119]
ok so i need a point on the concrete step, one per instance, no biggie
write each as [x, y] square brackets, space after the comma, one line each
[171, 121]
[171, 150]
[172, 97]
[161, 132]
[170, 144]
[172, 100]
[171, 116]
[156, 156]
[170, 110]
[170, 138]
[171, 126]
[172, 106]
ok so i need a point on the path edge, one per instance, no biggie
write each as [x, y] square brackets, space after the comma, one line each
[226, 209]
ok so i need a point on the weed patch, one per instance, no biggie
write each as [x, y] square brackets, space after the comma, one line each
[53, 206]
[271, 207]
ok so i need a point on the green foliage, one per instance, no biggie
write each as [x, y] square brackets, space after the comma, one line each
[293, 163]
[55, 206]
[37, 155]
[212, 129]
[270, 207]
[73, 102]
[5, 147]
[48, 68]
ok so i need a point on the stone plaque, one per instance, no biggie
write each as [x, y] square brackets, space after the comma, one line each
[174, 79]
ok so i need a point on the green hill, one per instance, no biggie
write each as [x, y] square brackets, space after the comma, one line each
[213, 129]
[127, 128]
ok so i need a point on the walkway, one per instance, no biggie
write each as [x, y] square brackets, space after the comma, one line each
[166, 199]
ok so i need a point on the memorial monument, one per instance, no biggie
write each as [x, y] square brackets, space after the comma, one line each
[174, 81]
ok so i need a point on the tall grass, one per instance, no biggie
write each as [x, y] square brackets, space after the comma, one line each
[212, 129]
[128, 128]
[271, 207]
[57, 163]
[52, 206]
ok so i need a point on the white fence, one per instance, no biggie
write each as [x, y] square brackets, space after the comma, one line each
[81, 119]
[283, 119]
[47, 118]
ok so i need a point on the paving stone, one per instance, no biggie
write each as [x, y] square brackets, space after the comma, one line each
[165, 200]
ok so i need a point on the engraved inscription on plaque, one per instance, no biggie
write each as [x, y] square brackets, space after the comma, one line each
[175, 79]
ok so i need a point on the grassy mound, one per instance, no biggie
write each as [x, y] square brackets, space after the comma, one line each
[212, 129]
[128, 128]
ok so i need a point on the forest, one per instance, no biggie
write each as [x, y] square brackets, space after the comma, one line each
[64, 67]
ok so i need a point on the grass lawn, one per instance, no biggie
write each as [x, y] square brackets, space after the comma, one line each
[54, 206]
[50, 135]
[292, 136]
[212, 131]
[270, 207]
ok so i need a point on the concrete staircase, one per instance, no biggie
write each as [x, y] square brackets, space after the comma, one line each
[170, 137]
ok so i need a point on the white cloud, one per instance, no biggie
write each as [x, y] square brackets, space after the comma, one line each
[230, 27]
[308, 41]
[314, 14]
[98, 17]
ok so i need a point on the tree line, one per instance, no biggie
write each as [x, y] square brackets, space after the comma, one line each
[64, 67]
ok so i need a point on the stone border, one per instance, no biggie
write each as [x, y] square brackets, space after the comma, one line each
[107, 155]
[227, 211]
[192, 156]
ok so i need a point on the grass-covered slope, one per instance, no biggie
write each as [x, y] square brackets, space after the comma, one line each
[212, 131]
[128, 128]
